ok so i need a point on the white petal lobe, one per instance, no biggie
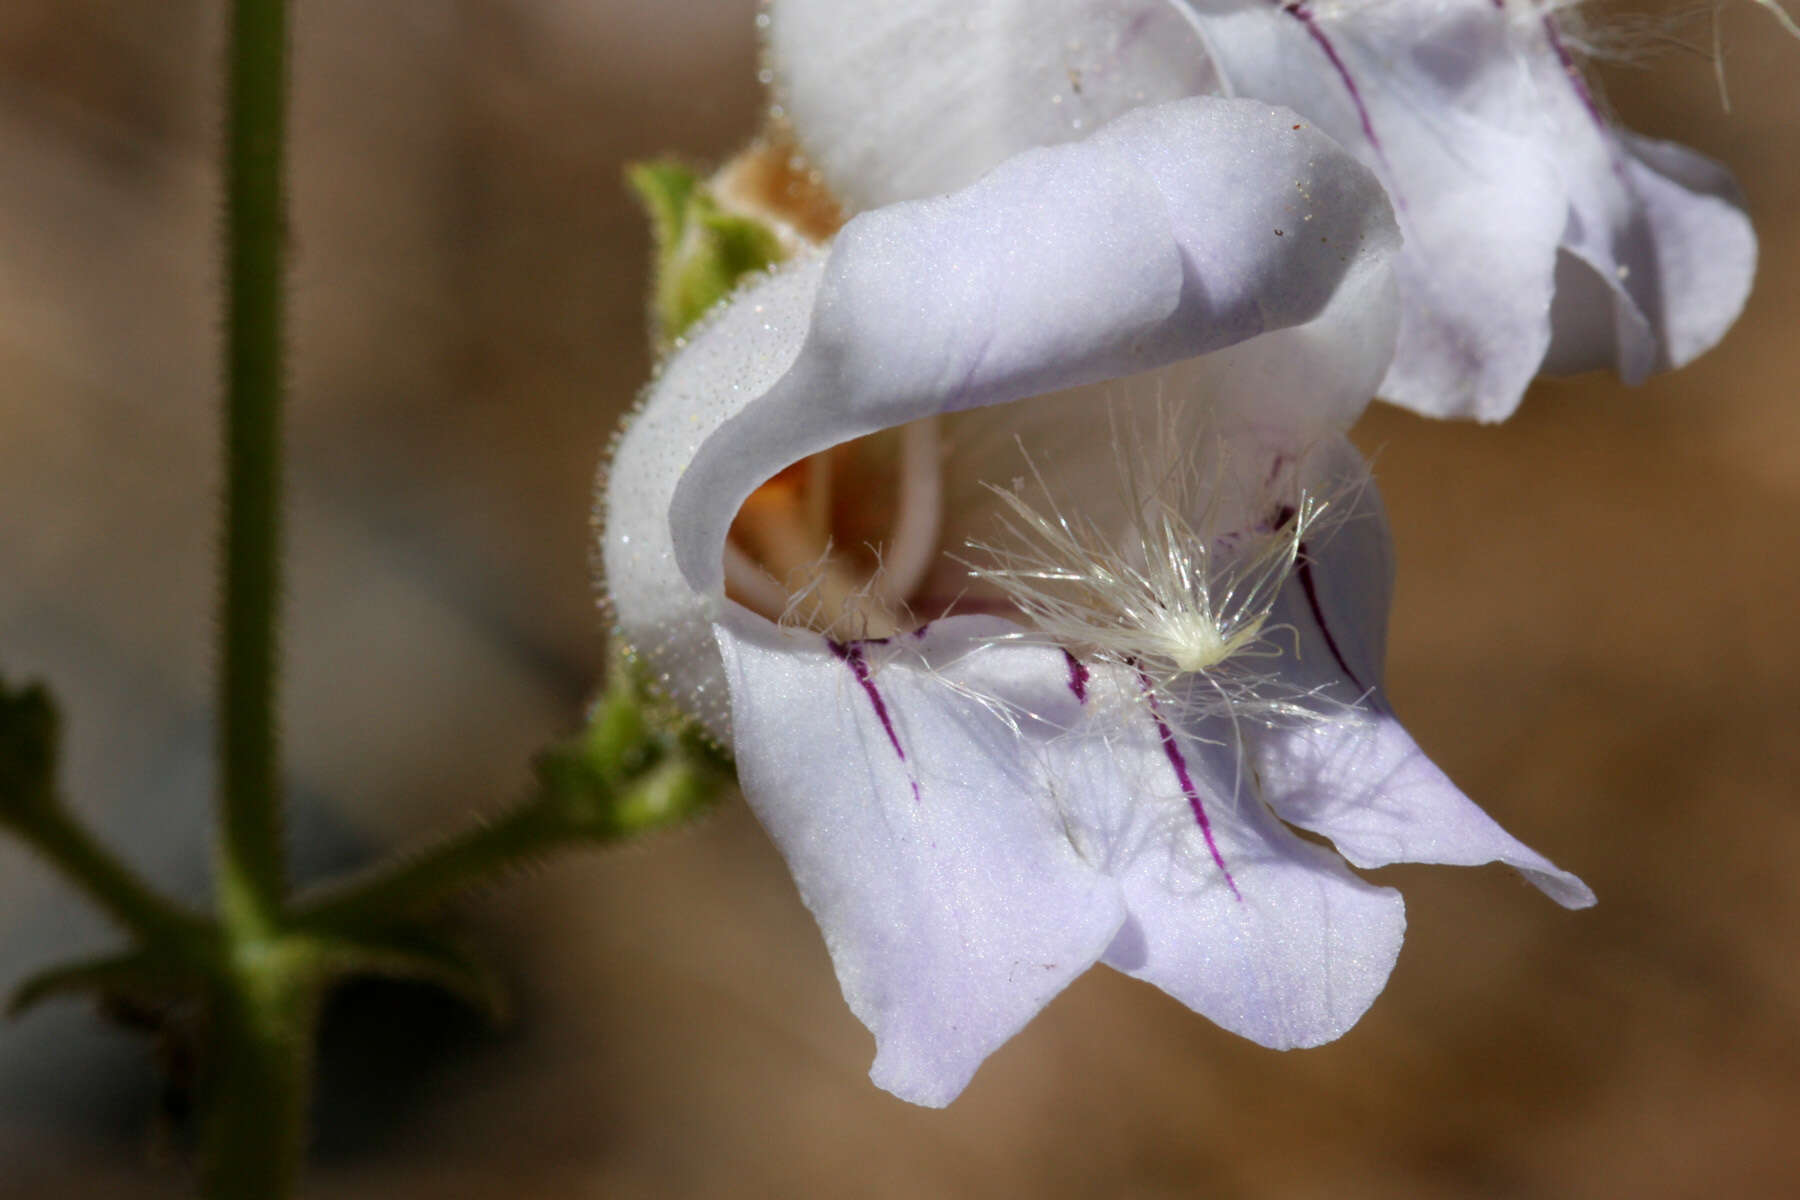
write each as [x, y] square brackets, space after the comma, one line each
[922, 833]
[968, 84]
[1067, 265]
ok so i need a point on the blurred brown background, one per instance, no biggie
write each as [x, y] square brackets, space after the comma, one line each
[1595, 634]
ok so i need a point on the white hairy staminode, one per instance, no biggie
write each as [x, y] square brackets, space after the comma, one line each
[1181, 586]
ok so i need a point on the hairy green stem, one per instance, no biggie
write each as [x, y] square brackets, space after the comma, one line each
[256, 1081]
[257, 1069]
[251, 868]
[393, 891]
[113, 887]
[573, 807]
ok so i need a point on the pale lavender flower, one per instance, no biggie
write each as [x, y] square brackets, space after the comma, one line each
[975, 811]
[1539, 237]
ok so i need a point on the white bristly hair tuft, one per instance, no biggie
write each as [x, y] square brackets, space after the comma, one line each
[1182, 592]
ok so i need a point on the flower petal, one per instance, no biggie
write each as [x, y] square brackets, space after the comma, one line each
[1660, 230]
[1433, 97]
[736, 354]
[1365, 784]
[1699, 241]
[920, 826]
[1282, 393]
[1230, 913]
[1064, 266]
[1355, 775]
[1159, 239]
[965, 86]
[1537, 237]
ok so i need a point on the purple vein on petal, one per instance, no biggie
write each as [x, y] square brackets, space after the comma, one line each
[1553, 35]
[1303, 568]
[1178, 761]
[851, 655]
[1078, 677]
[1297, 9]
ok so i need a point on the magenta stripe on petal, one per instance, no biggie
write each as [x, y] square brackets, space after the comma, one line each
[1179, 762]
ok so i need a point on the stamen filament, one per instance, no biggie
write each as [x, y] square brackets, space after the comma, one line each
[913, 546]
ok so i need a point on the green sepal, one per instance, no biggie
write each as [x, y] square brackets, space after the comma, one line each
[702, 251]
[577, 798]
[639, 765]
[664, 188]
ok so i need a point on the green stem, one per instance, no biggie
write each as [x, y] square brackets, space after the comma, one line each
[572, 807]
[258, 1065]
[257, 1081]
[394, 891]
[252, 872]
[113, 887]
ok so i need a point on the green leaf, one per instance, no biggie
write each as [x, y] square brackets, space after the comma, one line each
[702, 251]
[422, 957]
[30, 734]
[140, 975]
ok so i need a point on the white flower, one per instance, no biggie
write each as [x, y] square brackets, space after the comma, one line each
[1538, 237]
[977, 811]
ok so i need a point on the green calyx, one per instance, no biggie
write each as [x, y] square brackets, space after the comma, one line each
[702, 251]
